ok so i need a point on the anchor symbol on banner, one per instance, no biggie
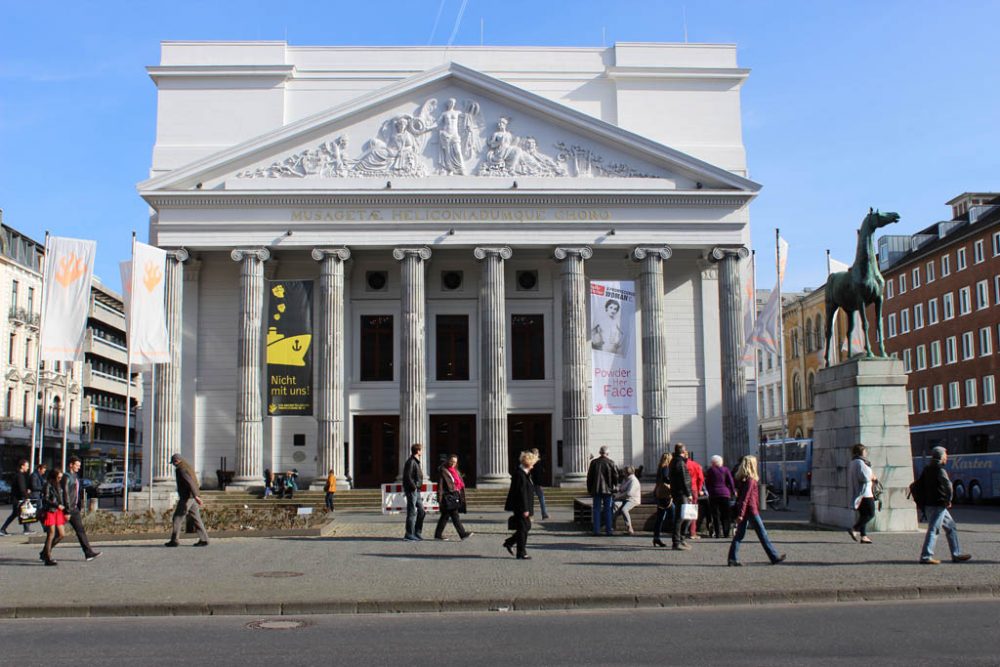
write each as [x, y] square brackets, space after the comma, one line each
[296, 346]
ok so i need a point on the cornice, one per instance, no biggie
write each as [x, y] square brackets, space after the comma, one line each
[158, 72]
[734, 74]
[186, 199]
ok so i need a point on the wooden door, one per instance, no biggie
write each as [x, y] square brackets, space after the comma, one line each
[453, 434]
[531, 432]
[376, 450]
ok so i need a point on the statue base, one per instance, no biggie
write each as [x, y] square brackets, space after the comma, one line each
[862, 400]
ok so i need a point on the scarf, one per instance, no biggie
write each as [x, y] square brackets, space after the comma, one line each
[459, 484]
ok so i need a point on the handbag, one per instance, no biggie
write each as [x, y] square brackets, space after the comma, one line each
[27, 513]
[452, 500]
[689, 512]
[661, 491]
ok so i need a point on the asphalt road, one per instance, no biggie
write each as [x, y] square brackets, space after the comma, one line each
[909, 633]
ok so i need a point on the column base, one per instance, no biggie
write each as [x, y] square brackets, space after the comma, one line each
[493, 482]
[243, 485]
[573, 479]
[163, 496]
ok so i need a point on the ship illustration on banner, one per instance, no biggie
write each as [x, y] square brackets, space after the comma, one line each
[287, 350]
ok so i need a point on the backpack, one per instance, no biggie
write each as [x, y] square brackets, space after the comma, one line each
[916, 492]
[877, 491]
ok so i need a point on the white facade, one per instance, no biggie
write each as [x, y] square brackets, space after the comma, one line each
[300, 149]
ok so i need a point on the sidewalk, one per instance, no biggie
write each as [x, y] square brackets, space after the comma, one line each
[367, 568]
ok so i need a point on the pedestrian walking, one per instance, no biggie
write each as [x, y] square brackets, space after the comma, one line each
[20, 491]
[331, 489]
[721, 490]
[38, 479]
[861, 480]
[188, 502]
[54, 505]
[538, 480]
[268, 483]
[935, 496]
[602, 481]
[75, 505]
[521, 504]
[697, 474]
[664, 503]
[681, 493]
[629, 496]
[413, 481]
[451, 498]
[748, 513]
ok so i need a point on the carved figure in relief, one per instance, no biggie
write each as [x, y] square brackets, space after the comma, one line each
[450, 140]
[404, 147]
[337, 163]
[504, 155]
[536, 163]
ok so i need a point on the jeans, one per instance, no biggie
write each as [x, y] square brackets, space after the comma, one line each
[14, 514]
[719, 506]
[329, 501]
[443, 521]
[741, 532]
[866, 512]
[623, 510]
[414, 514]
[663, 515]
[938, 519]
[541, 501]
[75, 519]
[681, 528]
[602, 508]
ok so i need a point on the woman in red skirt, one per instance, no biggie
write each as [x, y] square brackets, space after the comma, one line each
[54, 504]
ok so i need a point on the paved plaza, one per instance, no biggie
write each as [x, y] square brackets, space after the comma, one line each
[367, 568]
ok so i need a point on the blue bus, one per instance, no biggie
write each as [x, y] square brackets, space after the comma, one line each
[973, 456]
[797, 464]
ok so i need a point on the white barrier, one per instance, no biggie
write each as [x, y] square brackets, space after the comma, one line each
[394, 498]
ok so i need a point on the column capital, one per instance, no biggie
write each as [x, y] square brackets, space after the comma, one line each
[562, 252]
[719, 252]
[640, 253]
[422, 252]
[178, 254]
[483, 252]
[319, 254]
[238, 254]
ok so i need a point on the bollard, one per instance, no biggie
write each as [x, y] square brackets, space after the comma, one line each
[92, 505]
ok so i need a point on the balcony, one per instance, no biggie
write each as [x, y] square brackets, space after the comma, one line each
[11, 427]
[109, 416]
[23, 316]
[102, 347]
[107, 315]
[104, 382]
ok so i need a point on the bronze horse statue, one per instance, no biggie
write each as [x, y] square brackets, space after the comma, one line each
[863, 284]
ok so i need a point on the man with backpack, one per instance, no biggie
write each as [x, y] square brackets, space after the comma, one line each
[933, 494]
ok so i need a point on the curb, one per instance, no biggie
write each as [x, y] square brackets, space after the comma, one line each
[664, 601]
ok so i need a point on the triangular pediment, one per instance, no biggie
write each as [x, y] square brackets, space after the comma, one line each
[448, 127]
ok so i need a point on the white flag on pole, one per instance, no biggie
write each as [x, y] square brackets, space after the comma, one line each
[765, 334]
[144, 311]
[858, 338]
[69, 269]
[749, 310]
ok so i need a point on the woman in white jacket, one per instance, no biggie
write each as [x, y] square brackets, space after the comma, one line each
[860, 478]
[629, 495]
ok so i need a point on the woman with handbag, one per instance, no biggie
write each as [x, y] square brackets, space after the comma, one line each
[54, 503]
[861, 479]
[451, 498]
[664, 504]
[748, 512]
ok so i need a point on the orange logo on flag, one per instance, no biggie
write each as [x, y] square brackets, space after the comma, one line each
[70, 269]
[153, 276]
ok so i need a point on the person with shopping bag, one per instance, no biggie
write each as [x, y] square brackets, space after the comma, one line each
[19, 494]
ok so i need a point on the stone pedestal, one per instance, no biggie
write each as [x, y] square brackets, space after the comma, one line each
[164, 497]
[862, 400]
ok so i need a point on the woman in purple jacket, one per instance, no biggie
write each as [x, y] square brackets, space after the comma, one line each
[748, 512]
[721, 489]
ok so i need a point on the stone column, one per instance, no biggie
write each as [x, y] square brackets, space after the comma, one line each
[413, 357]
[249, 427]
[655, 421]
[167, 390]
[330, 407]
[735, 438]
[493, 456]
[575, 406]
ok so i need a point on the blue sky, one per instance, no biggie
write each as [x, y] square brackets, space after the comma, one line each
[849, 104]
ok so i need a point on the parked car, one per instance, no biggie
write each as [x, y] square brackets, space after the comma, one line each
[114, 483]
[4, 491]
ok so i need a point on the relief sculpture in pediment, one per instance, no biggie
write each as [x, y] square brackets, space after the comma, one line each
[400, 149]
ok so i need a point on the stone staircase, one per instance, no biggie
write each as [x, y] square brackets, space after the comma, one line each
[356, 500]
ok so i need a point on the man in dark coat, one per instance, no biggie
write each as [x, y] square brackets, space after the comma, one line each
[682, 493]
[936, 496]
[602, 482]
[413, 481]
[20, 490]
[188, 502]
[75, 502]
[38, 483]
[521, 504]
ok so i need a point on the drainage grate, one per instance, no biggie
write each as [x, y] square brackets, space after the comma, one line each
[277, 624]
[277, 574]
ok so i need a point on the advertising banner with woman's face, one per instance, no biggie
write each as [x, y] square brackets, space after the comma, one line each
[612, 342]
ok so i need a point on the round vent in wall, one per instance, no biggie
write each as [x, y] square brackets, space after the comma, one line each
[377, 280]
[451, 280]
[527, 281]
[299, 457]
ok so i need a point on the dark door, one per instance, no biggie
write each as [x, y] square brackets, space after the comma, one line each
[453, 434]
[376, 450]
[531, 432]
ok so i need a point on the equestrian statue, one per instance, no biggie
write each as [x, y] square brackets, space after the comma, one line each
[861, 285]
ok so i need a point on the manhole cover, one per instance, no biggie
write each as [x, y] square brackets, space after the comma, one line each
[277, 574]
[277, 624]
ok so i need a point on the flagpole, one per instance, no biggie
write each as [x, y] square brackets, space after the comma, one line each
[66, 415]
[128, 371]
[148, 446]
[781, 364]
[38, 362]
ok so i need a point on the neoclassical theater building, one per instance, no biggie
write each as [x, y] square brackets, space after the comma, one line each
[453, 212]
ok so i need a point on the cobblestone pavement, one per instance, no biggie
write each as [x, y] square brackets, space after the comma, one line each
[367, 567]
